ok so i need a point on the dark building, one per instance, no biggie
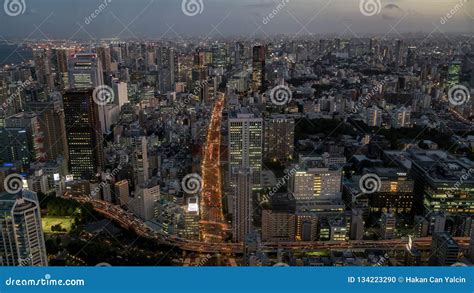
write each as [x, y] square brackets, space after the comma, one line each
[258, 68]
[84, 136]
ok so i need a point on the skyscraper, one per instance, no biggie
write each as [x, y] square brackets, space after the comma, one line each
[85, 71]
[245, 146]
[258, 68]
[84, 137]
[21, 235]
[279, 138]
[444, 250]
[242, 205]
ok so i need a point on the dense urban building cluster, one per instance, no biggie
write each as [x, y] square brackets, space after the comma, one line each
[314, 151]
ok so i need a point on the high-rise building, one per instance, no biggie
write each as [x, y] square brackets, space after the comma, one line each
[84, 136]
[43, 71]
[279, 138]
[145, 201]
[17, 150]
[52, 127]
[242, 205]
[139, 160]
[85, 71]
[245, 146]
[121, 193]
[258, 68]
[121, 92]
[29, 122]
[444, 250]
[103, 53]
[401, 118]
[278, 226]
[373, 116]
[21, 235]
[316, 183]
[388, 225]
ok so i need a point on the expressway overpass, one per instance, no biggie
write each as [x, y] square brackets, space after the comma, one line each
[129, 221]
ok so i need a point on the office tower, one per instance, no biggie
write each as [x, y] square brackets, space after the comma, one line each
[43, 68]
[166, 61]
[338, 229]
[60, 61]
[121, 92]
[437, 222]
[219, 55]
[357, 225]
[401, 118]
[388, 226]
[85, 71]
[398, 52]
[411, 56]
[145, 201]
[437, 183]
[316, 183]
[84, 136]
[395, 192]
[139, 158]
[306, 227]
[258, 68]
[279, 138]
[278, 226]
[245, 146]
[17, 150]
[52, 127]
[21, 235]
[103, 53]
[191, 219]
[29, 122]
[421, 227]
[373, 116]
[454, 73]
[242, 205]
[444, 250]
[122, 193]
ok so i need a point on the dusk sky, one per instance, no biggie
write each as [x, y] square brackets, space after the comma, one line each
[164, 18]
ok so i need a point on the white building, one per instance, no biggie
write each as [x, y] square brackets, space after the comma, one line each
[245, 146]
[317, 183]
